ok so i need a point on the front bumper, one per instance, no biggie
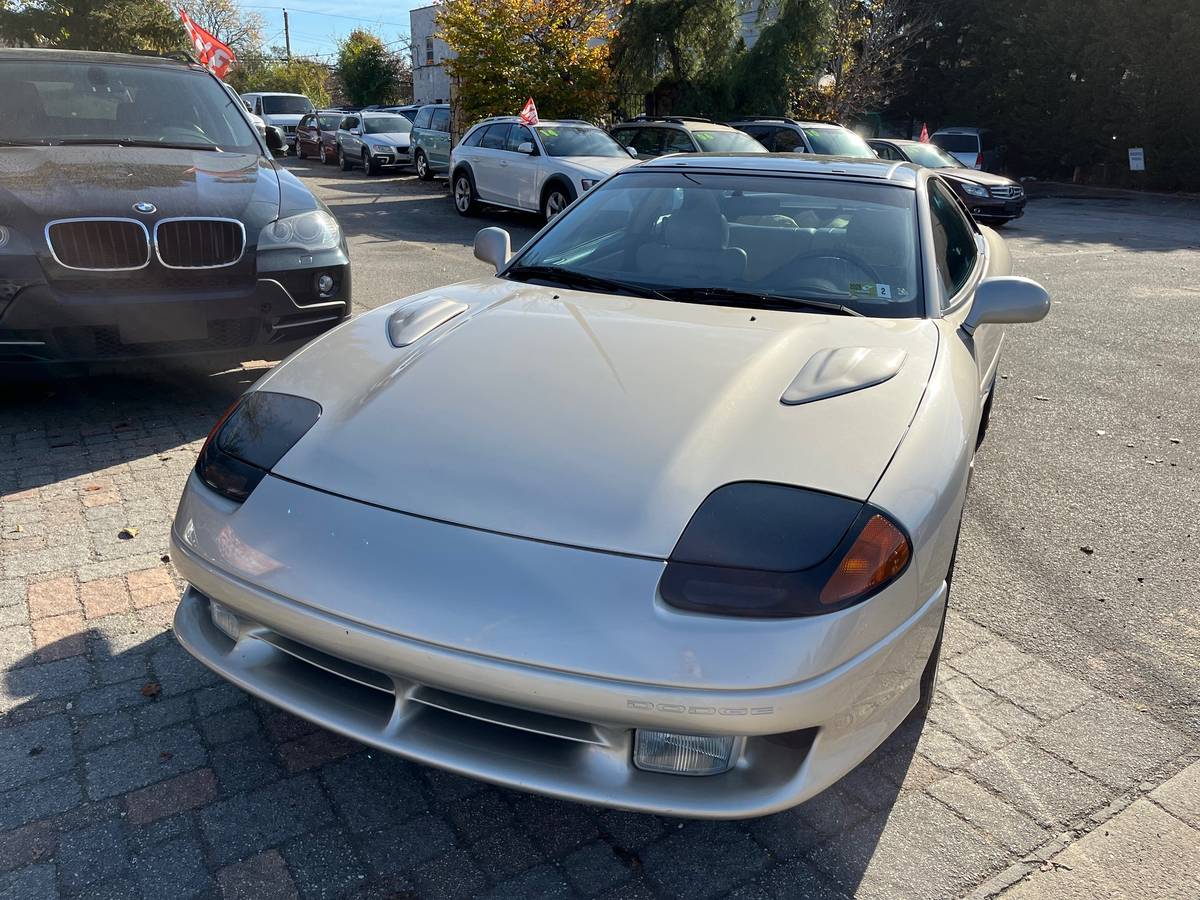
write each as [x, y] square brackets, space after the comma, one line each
[110, 319]
[563, 734]
[400, 156]
[994, 208]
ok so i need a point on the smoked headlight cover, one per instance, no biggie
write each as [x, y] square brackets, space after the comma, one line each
[764, 550]
[251, 438]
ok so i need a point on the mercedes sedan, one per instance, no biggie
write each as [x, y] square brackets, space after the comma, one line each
[661, 516]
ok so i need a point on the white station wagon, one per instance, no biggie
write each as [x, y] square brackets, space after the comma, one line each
[540, 168]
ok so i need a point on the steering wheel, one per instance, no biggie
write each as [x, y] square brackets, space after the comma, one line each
[860, 264]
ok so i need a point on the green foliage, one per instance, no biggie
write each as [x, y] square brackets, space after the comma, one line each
[114, 25]
[368, 72]
[255, 72]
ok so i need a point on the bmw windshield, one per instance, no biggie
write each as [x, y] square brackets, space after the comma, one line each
[68, 102]
[738, 239]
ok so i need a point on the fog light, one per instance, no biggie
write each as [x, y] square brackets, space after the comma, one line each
[685, 754]
[226, 622]
[325, 284]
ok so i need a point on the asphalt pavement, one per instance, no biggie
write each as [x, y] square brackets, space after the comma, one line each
[1056, 750]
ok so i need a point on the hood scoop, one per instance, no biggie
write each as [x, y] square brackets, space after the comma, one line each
[410, 323]
[842, 370]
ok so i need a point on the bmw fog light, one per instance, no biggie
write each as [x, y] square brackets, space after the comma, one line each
[226, 621]
[685, 754]
[325, 284]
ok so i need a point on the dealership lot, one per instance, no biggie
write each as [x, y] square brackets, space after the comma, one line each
[1069, 692]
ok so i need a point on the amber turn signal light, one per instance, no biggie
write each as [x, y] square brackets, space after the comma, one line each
[878, 555]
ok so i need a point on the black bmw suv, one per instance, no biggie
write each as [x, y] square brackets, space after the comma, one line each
[142, 216]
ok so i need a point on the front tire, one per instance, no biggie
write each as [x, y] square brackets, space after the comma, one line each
[300, 151]
[557, 198]
[929, 675]
[422, 166]
[464, 195]
[343, 160]
[370, 166]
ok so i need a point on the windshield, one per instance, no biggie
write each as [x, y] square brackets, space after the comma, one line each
[578, 140]
[957, 143]
[838, 142]
[931, 157]
[727, 142]
[386, 125]
[329, 122]
[840, 242]
[45, 102]
[286, 105]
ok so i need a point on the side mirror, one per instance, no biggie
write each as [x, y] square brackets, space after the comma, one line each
[525, 147]
[1007, 300]
[275, 141]
[357, 132]
[493, 245]
[631, 152]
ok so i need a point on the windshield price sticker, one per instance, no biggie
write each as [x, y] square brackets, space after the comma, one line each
[873, 291]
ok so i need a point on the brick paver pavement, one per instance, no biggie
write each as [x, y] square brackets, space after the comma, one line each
[128, 770]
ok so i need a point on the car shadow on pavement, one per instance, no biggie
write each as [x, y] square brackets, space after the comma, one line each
[123, 757]
[430, 220]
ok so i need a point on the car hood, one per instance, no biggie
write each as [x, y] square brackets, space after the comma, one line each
[975, 176]
[596, 165]
[587, 419]
[38, 184]
[390, 138]
[284, 118]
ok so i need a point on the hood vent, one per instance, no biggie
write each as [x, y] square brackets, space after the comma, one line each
[841, 370]
[410, 323]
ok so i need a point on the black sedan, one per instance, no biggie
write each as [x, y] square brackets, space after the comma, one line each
[142, 216]
[992, 199]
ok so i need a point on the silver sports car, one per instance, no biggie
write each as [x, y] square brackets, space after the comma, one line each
[662, 516]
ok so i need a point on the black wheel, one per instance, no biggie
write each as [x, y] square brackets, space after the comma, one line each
[557, 197]
[464, 195]
[930, 674]
[344, 160]
[370, 166]
[422, 164]
[300, 151]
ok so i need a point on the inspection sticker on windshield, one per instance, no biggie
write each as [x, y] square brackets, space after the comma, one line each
[878, 291]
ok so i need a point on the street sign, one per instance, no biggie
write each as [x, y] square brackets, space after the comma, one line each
[1137, 159]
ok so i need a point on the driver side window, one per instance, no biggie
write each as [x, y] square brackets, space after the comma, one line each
[954, 247]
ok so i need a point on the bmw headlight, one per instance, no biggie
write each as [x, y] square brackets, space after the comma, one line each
[310, 232]
[975, 190]
[5, 236]
[589, 183]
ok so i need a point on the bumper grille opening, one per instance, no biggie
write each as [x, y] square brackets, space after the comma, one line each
[199, 243]
[104, 341]
[99, 244]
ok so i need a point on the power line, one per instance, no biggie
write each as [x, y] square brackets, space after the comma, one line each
[309, 12]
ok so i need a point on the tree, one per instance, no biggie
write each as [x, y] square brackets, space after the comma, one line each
[368, 72]
[297, 75]
[224, 20]
[114, 25]
[555, 51]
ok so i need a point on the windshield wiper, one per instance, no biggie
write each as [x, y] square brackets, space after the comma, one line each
[575, 279]
[754, 300]
[33, 142]
[132, 142]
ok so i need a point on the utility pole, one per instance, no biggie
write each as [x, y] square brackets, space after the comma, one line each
[287, 36]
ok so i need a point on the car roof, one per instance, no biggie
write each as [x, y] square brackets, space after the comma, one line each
[899, 173]
[783, 120]
[93, 56]
[685, 122]
[960, 129]
[516, 120]
[892, 140]
[273, 94]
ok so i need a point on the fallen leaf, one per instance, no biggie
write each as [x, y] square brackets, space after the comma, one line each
[1174, 440]
[1088, 550]
[1101, 431]
[36, 750]
[93, 487]
[165, 558]
[128, 533]
[1043, 399]
[151, 689]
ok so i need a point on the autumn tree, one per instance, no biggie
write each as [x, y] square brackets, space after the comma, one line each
[298, 75]
[240, 29]
[113, 25]
[555, 51]
[369, 72]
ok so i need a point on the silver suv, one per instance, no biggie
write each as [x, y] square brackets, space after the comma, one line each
[543, 168]
[783, 135]
[651, 136]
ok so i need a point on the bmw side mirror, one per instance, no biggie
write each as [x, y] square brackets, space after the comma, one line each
[275, 142]
[525, 147]
[1007, 300]
[631, 152]
[493, 245]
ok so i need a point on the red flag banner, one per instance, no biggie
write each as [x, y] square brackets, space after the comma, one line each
[924, 138]
[211, 52]
[528, 113]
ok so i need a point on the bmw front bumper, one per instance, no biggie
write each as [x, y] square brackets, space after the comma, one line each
[536, 727]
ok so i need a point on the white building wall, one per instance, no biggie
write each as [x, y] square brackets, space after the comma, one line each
[431, 84]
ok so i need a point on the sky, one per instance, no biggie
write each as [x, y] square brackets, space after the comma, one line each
[317, 25]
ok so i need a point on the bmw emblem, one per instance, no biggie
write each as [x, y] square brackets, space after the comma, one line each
[143, 207]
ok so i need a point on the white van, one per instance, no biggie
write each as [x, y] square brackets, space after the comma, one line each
[284, 110]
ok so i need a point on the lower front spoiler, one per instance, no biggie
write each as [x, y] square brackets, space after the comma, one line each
[544, 752]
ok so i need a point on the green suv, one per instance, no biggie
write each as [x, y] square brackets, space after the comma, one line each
[431, 140]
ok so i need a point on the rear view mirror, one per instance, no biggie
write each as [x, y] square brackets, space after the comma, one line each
[631, 152]
[1007, 300]
[493, 245]
[525, 147]
[275, 142]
